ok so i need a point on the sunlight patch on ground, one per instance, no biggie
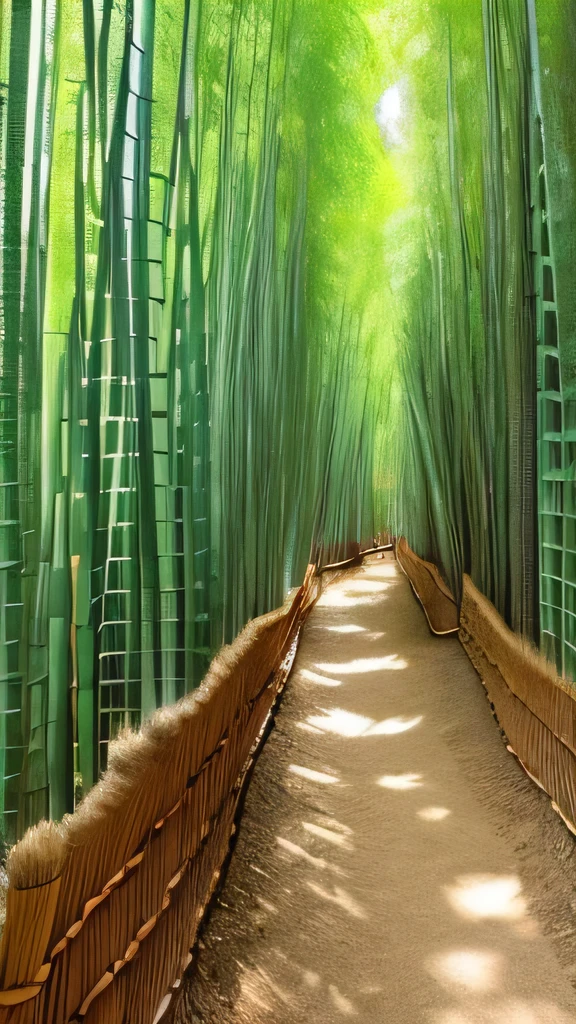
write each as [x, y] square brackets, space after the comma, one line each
[259, 871]
[337, 838]
[308, 773]
[340, 898]
[314, 677]
[400, 781]
[364, 586]
[343, 723]
[380, 569]
[394, 726]
[336, 599]
[257, 988]
[337, 826]
[347, 628]
[340, 1002]
[478, 896]
[434, 813]
[346, 723]
[474, 970]
[266, 906]
[297, 851]
[389, 661]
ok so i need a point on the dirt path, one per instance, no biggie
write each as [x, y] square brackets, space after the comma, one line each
[394, 863]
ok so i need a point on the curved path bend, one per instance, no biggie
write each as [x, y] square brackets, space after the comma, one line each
[394, 864]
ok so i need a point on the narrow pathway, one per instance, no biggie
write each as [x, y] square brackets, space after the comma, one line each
[394, 863]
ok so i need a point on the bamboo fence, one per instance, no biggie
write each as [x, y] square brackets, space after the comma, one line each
[102, 909]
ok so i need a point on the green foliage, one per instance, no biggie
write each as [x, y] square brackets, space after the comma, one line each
[191, 290]
[246, 323]
[484, 463]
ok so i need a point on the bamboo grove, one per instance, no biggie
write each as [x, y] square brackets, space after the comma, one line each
[485, 453]
[275, 275]
[187, 409]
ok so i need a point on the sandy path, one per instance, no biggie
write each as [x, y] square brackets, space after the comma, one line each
[394, 863]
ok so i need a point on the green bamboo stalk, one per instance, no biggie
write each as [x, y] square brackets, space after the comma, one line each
[187, 407]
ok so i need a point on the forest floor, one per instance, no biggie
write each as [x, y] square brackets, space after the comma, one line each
[394, 863]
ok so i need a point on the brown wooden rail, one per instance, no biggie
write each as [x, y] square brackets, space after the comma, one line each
[104, 939]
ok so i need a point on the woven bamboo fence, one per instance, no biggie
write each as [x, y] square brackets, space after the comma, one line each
[535, 709]
[103, 909]
[434, 595]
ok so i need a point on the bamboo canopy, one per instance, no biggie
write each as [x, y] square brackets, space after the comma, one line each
[274, 276]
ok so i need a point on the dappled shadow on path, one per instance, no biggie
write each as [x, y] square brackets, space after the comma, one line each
[394, 863]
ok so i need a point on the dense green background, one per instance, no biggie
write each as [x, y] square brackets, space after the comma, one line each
[250, 315]
[190, 208]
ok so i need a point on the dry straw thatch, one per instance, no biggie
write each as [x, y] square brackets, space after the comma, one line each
[103, 907]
